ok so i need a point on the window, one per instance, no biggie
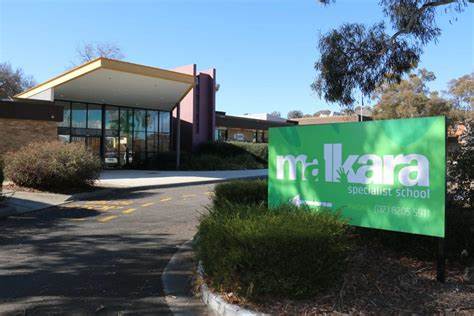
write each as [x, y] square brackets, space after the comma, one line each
[111, 118]
[94, 116]
[164, 131]
[139, 120]
[66, 114]
[152, 121]
[152, 131]
[164, 142]
[164, 122]
[79, 115]
[138, 141]
[126, 121]
[111, 156]
[152, 141]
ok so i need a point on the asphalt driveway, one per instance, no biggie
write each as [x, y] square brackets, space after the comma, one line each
[100, 256]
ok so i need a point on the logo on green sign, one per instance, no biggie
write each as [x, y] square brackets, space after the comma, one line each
[380, 174]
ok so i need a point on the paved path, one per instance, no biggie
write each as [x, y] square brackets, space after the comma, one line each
[151, 178]
[96, 257]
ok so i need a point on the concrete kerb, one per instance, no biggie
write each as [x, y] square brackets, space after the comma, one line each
[178, 281]
[181, 301]
[218, 305]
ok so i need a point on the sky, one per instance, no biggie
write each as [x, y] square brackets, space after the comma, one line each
[263, 50]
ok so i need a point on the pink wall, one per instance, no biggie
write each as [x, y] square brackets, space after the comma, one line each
[197, 109]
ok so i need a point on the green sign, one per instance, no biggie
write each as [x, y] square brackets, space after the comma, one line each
[380, 174]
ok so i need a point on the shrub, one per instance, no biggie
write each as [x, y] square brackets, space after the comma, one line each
[214, 162]
[258, 150]
[286, 252]
[248, 192]
[231, 149]
[460, 171]
[52, 166]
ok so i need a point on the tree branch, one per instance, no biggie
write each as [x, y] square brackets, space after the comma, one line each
[416, 14]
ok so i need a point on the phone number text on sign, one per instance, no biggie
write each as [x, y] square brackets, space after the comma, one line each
[402, 211]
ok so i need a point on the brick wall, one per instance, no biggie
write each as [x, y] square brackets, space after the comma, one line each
[16, 133]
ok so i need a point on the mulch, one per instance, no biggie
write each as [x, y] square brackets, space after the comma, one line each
[381, 281]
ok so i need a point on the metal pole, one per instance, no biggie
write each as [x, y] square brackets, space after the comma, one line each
[178, 136]
[441, 261]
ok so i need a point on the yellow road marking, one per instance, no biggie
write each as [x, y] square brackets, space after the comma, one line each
[165, 199]
[188, 195]
[148, 204]
[71, 206]
[96, 202]
[129, 210]
[107, 218]
[124, 202]
[106, 207]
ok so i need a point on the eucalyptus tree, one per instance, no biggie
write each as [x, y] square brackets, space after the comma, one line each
[357, 58]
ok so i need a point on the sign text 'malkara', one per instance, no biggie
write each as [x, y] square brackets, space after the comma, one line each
[373, 169]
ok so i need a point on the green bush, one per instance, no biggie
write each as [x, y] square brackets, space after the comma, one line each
[230, 149]
[258, 150]
[214, 162]
[52, 166]
[286, 252]
[248, 192]
[460, 171]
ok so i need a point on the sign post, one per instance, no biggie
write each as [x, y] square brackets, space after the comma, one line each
[387, 174]
[441, 261]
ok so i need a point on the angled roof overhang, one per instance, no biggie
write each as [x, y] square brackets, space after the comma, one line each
[108, 81]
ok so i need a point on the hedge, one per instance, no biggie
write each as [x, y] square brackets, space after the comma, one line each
[249, 192]
[286, 252]
[231, 149]
[213, 156]
[52, 166]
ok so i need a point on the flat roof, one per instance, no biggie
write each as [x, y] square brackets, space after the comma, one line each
[110, 81]
[229, 121]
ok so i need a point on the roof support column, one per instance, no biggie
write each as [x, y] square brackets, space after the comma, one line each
[178, 136]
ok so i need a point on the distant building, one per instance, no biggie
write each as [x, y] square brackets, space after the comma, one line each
[246, 128]
[331, 119]
[263, 116]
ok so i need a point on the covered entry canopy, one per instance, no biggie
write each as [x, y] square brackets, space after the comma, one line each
[114, 82]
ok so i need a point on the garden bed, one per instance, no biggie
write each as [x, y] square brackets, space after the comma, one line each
[383, 272]
[379, 281]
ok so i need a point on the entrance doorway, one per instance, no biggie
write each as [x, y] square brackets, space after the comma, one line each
[93, 143]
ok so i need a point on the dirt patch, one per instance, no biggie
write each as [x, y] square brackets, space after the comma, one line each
[380, 281]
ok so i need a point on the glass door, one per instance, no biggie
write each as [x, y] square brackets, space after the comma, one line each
[93, 144]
